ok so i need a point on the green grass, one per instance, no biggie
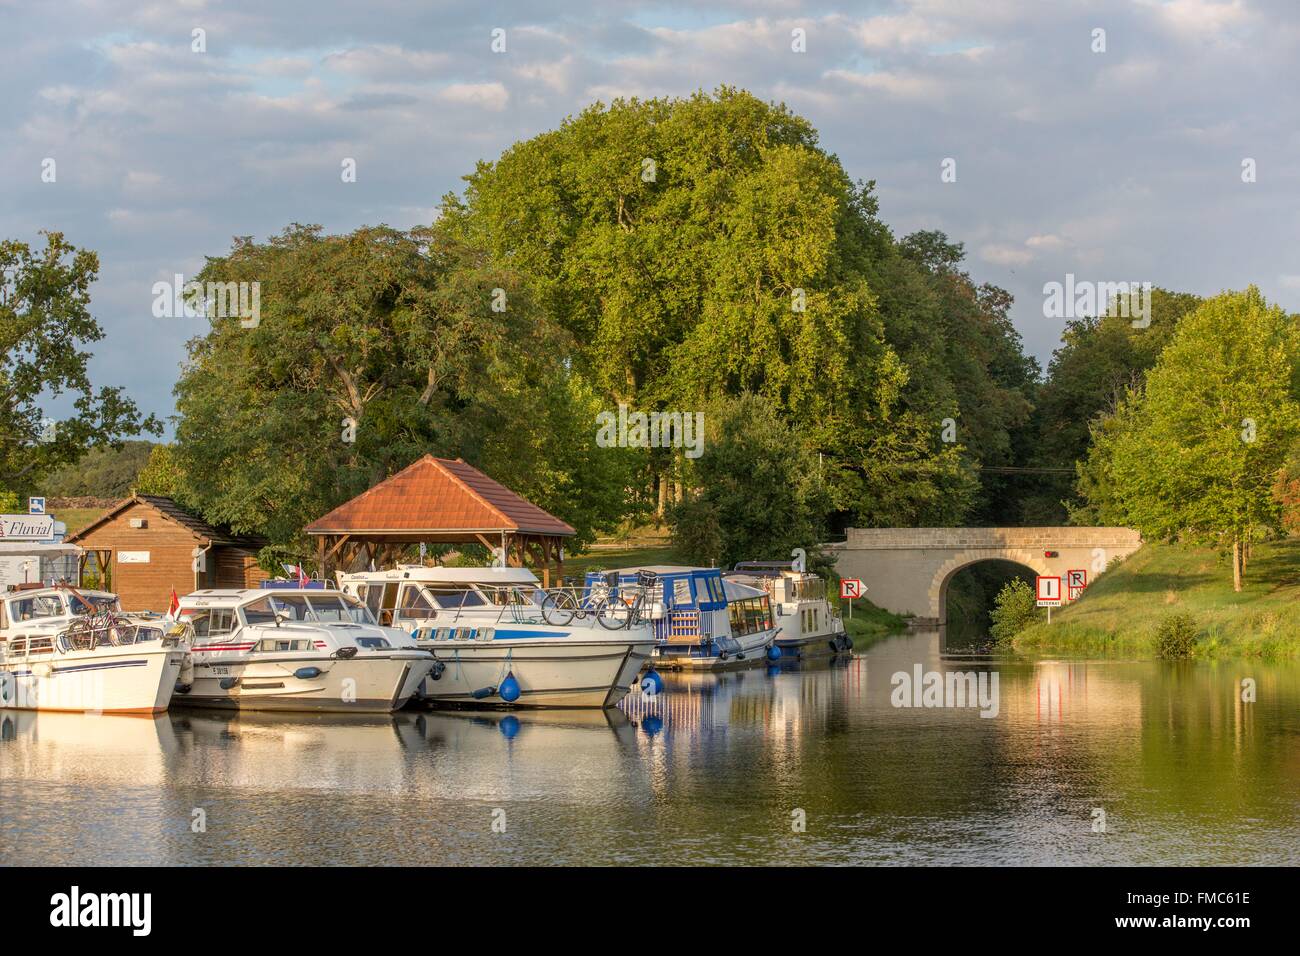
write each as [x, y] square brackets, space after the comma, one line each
[1119, 613]
[608, 558]
[76, 518]
[869, 623]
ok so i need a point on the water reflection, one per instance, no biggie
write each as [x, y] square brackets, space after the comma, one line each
[710, 771]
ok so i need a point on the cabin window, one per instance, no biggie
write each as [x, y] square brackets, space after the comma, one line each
[259, 612]
[215, 622]
[452, 598]
[373, 596]
[750, 615]
[34, 608]
[372, 643]
[415, 603]
[682, 592]
[285, 644]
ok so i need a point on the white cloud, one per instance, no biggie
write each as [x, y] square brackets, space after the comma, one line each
[1006, 255]
[489, 96]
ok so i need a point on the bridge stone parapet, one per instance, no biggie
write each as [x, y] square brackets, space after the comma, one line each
[907, 570]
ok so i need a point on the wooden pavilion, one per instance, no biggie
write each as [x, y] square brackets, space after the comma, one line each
[439, 501]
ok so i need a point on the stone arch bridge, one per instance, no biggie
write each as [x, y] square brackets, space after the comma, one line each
[907, 570]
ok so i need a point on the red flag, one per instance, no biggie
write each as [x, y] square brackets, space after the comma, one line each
[175, 605]
[302, 577]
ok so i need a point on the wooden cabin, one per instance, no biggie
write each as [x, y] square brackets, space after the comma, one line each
[146, 545]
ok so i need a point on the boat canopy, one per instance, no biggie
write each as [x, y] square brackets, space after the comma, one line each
[684, 588]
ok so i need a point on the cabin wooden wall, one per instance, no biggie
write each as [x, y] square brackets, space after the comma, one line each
[237, 569]
[148, 587]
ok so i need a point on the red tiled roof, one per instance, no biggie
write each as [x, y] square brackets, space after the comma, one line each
[438, 495]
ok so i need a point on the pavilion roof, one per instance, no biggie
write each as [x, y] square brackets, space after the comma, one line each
[439, 497]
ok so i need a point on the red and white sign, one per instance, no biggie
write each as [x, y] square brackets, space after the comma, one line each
[851, 588]
[1049, 591]
[1075, 582]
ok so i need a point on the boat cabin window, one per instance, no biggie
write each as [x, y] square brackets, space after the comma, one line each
[452, 598]
[415, 603]
[142, 635]
[713, 584]
[682, 596]
[750, 615]
[327, 608]
[373, 596]
[259, 612]
[213, 622]
[37, 607]
[507, 596]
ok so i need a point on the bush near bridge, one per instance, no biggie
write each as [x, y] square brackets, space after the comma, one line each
[1121, 612]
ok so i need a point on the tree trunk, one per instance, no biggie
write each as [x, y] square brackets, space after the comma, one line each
[662, 481]
[1236, 564]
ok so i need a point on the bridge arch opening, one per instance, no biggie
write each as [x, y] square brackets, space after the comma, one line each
[967, 593]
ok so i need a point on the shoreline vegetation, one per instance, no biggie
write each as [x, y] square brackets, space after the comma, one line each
[1121, 613]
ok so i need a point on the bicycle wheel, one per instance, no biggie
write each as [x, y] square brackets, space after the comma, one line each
[611, 615]
[558, 608]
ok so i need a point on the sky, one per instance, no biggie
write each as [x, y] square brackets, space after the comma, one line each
[1128, 163]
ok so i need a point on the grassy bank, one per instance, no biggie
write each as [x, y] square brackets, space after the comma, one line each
[870, 624]
[1120, 612]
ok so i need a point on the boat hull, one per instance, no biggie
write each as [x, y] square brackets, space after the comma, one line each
[551, 672]
[130, 679]
[360, 685]
[815, 645]
[753, 648]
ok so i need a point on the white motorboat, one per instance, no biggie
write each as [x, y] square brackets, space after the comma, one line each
[700, 619]
[63, 649]
[296, 649]
[809, 626]
[500, 640]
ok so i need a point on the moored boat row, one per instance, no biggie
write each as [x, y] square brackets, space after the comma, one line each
[458, 637]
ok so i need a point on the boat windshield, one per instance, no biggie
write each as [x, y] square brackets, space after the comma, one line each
[36, 607]
[451, 598]
[325, 607]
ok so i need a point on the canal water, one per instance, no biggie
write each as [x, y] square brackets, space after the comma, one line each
[1084, 763]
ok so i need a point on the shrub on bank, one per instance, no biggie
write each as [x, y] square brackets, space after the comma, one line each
[1014, 609]
[1176, 636]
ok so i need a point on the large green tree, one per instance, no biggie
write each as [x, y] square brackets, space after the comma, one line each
[708, 246]
[45, 324]
[1195, 454]
[372, 349]
[759, 493]
[1100, 358]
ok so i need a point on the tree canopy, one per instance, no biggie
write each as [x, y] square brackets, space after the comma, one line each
[704, 247]
[1195, 454]
[372, 349]
[45, 324]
